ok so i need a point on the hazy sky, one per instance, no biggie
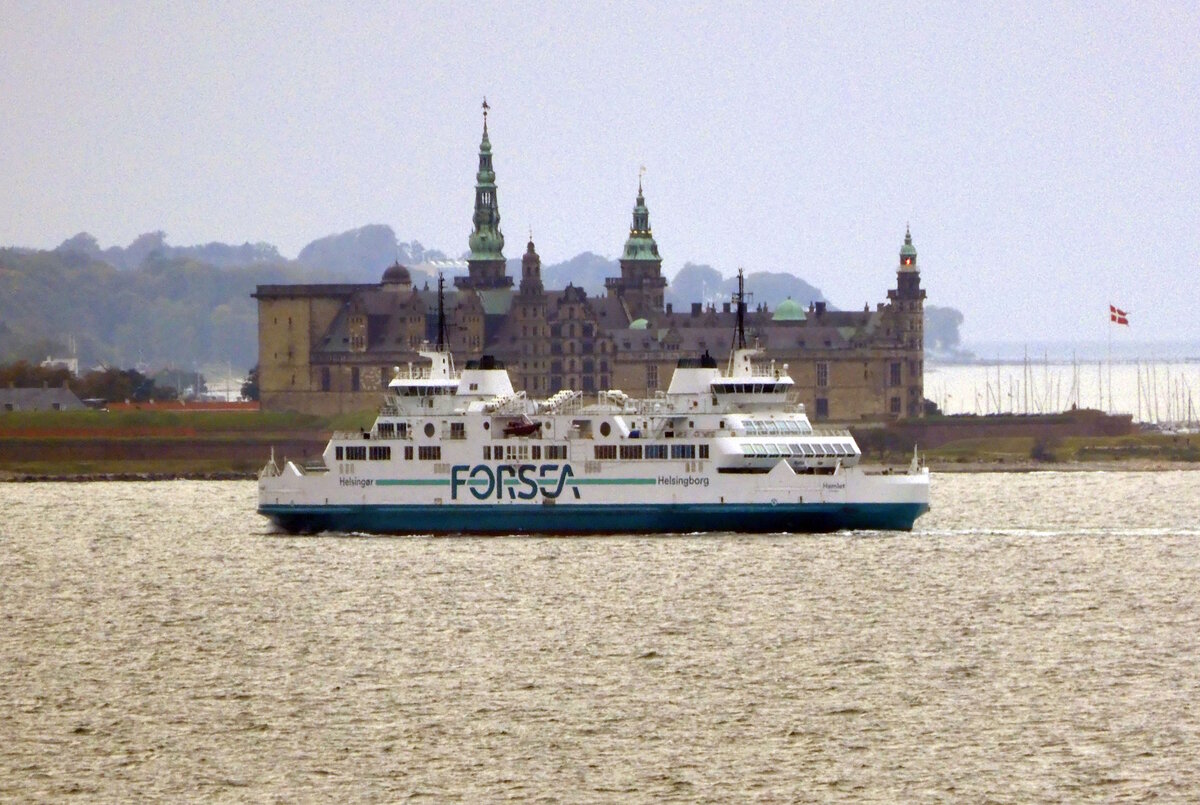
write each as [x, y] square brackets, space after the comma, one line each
[1045, 155]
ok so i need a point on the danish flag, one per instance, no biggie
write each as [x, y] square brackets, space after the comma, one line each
[1118, 316]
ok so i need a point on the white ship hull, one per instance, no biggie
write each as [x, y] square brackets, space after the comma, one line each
[462, 493]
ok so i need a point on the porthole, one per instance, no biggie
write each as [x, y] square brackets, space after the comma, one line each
[429, 429]
[605, 429]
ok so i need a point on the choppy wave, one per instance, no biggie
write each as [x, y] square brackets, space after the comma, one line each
[1034, 639]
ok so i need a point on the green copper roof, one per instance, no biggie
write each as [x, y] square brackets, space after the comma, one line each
[496, 301]
[641, 244]
[789, 310]
[486, 241]
[639, 324]
[908, 249]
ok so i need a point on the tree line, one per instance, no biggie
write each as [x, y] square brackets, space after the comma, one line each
[108, 384]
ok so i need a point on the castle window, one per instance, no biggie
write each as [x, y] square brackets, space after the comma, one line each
[822, 374]
[651, 377]
[894, 405]
[326, 380]
[354, 379]
[894, 375]
[822, 408]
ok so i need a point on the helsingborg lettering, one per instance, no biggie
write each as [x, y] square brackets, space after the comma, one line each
[523, 481]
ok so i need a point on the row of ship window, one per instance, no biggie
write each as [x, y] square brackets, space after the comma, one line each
[634, 452]
[773, 427]
[751, 388]
[772, 450]
[522, 452]
[384, 453]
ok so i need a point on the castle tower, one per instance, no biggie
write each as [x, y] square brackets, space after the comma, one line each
[485, 263]
[908, 298]
[531, 272]
[641, 283]
[530, 328]
[908, 318]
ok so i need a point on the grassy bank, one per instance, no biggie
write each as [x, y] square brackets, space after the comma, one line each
[158, 443]
[1145, 450]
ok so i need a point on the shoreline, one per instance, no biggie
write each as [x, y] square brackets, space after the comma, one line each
[935, 467]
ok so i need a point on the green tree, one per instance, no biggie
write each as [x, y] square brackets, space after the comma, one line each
[250, 387]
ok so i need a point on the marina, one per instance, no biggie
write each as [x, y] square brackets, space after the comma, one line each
[1162, 392]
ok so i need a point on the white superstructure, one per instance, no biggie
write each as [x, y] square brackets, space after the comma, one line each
[463, 452]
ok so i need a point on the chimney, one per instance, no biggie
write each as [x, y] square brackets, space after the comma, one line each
[696, 308]
[725, 307]
[820, 308]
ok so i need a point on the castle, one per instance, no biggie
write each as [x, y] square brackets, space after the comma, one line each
[333, 348]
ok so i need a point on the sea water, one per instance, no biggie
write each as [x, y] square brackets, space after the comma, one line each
[1036, 638]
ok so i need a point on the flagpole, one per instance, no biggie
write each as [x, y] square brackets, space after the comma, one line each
[1110, 404]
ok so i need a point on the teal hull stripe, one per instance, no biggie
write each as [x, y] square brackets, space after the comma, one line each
[566, 518]
[514, 482]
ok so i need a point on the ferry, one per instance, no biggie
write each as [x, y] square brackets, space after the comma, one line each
[461, 452]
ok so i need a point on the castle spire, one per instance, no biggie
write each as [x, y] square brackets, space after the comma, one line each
[641, 283]
[908, 252]
[641, 244]
[486, 258]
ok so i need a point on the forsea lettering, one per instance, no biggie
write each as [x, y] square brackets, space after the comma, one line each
[522, 481]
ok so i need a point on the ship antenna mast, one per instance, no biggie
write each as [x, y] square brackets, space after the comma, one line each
[739, 336]
[441, 320]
